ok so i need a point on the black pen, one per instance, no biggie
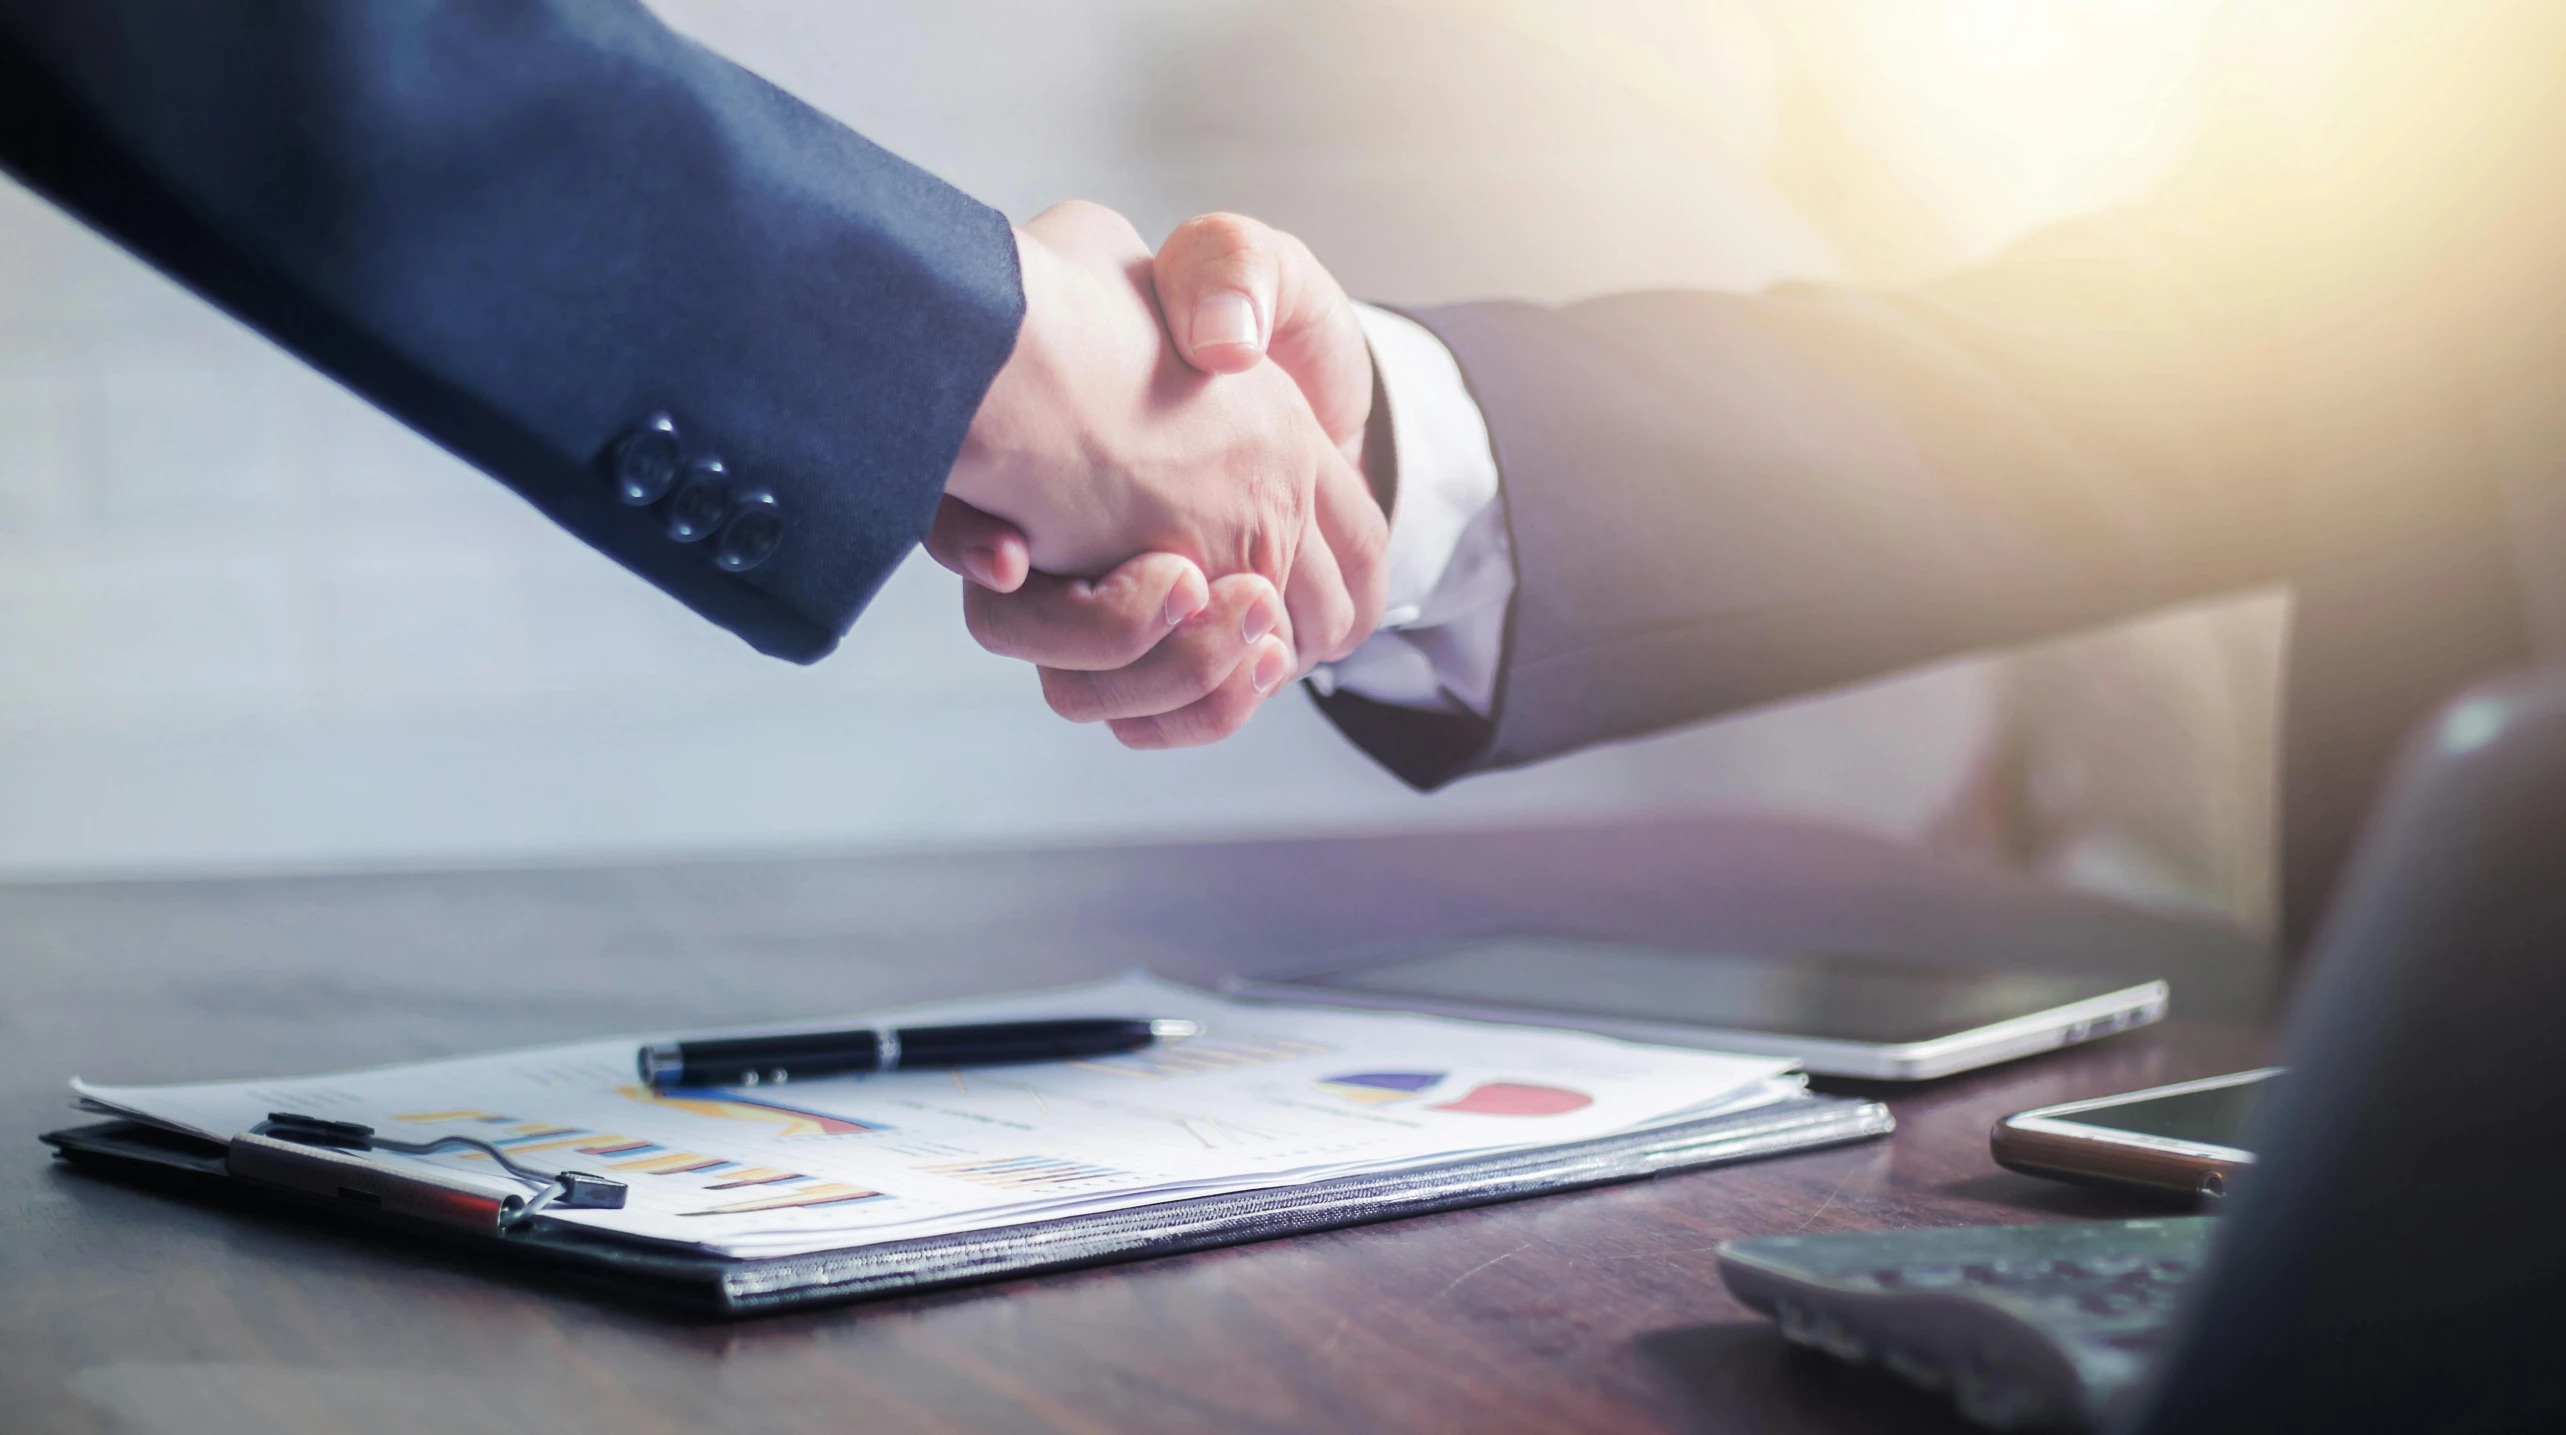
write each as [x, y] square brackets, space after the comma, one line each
[787, 1056]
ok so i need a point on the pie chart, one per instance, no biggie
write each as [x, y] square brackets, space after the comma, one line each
[1517, 1098]
[1373, 1086]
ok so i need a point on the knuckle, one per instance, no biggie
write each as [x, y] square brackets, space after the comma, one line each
[1358, 631]
[1226, 711]
[1221, 232]
[1215, 716]
[1123, 692]
[1201, 660]
[1269, 551]
[1363, 557]
[1072, 695]
[984, 617]
[1286, 506]
[1220, 249]
[1140, 734]
[1118, 644]
[1335, 642]
[1336, 629]
[1060, 626]
[1366, 539]
[1115, 621]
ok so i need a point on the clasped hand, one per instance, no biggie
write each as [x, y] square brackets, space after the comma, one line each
[1164, 523]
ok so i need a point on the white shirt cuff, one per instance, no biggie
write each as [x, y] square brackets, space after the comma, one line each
[1451, 566]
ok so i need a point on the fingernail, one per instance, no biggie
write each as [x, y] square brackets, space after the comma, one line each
[1272, 666]
[1225, 318]
[1261, 619]
[980, 565]
[1189, 597]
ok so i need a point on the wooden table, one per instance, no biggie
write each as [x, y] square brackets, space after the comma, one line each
[126, 1310]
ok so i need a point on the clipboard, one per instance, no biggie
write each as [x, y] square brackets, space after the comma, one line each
[392, 1205]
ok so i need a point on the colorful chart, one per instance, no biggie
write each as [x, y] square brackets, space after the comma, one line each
[1022, 1171]
[827, 1194]
[724, 1106]
[753, 1176]
[552, 1138]
[1371, 1087]
[650, 1158]
[679, 1163]
[1517, 1098]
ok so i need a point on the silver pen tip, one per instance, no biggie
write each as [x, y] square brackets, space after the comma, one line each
[1169, 1028]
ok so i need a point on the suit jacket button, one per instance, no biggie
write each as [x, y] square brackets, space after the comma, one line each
[755, 529]
[701, 502]
[646, 462]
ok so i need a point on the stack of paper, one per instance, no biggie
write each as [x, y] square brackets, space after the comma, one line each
[1263, 1096]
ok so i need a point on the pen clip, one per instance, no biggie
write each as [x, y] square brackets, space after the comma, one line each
[313, 1154]
[337, 1173]
[316, 1131]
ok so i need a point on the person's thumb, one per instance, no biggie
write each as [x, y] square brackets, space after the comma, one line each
[1217, 276]
[1235, 291]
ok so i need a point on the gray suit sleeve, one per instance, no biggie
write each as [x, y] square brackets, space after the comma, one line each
[1718, 501]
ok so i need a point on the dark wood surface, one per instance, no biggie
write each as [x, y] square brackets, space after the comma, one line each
[122, 1309]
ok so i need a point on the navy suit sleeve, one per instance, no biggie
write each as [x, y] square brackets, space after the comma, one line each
[1718, 500]
[527, 228]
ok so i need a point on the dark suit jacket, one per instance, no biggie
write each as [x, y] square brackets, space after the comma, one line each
[2351, 380]
[528, 228]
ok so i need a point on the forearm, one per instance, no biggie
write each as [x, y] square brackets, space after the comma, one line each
[1720, 501]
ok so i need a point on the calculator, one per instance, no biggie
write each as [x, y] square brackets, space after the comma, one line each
[2021, 1326]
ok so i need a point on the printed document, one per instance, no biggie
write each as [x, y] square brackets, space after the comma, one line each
[1261, 1096]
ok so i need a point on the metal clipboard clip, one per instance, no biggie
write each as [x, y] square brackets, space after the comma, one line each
[324, 1158]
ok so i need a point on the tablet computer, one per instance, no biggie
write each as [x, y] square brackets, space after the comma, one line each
[1841, 1014]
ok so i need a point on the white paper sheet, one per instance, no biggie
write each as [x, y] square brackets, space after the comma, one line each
[1264, 1096]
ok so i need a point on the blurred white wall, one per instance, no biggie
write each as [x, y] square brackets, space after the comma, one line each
[247, 623]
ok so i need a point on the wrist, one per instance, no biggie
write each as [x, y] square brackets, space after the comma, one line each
[992, 470]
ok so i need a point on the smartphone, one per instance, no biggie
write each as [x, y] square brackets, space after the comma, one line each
[2187, 1139]
[1838, 1014]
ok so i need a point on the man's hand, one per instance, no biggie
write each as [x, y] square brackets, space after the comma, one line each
[1237, 292]
[1097, 441]
[1162, 656]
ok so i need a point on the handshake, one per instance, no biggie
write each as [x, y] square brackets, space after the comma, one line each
[1162, 502]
